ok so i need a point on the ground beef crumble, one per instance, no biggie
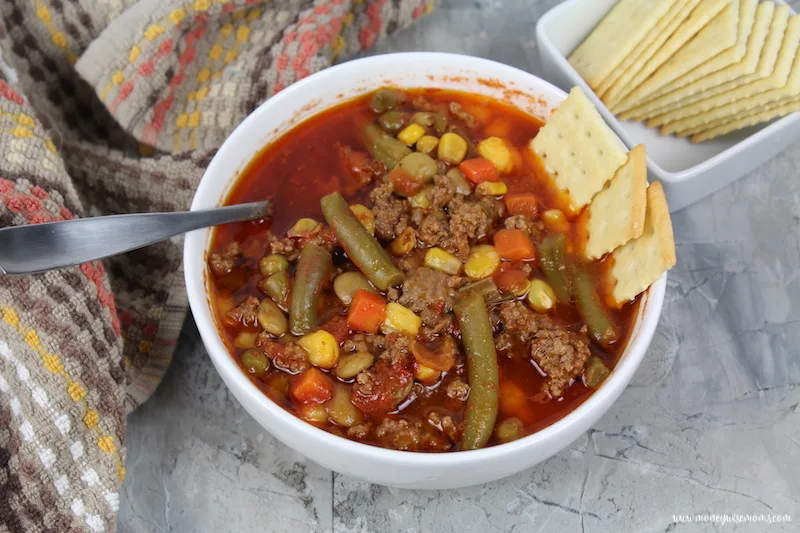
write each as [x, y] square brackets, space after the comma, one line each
[535, 229]
[391, 213]
[457, 390]
[559, 353]
[223, 263]
[288, 357]
[246, 313]
[413, 435]
[446, 425]
[443, 190]
[426, 292]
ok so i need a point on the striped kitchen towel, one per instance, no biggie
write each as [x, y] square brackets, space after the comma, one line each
[115, 107]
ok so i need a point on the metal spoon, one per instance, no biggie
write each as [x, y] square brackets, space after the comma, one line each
[41, 247]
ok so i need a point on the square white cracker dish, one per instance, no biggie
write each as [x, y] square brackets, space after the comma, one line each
[765, 68]
[781, 109]
[716, 37]
[577, 150]
[615, 37]
[738, 71]
[616, 214]
[661, 31]
[782, 84]
[699, 17]
[652, 45]
[640, 262]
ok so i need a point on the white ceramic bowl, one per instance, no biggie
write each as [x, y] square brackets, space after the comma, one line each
[388, 467]
[688, 171]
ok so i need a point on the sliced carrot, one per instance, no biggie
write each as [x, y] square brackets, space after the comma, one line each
[367, 311]
[403, 182]
[478, 170]
[524, 203]
[514, 245]
[311, 387]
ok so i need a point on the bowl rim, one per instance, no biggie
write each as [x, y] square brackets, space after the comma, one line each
[195, 278]
[748, 143]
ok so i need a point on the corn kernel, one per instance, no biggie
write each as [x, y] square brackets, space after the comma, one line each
[400, 319]
[426, 375]
[404, 243]
[321, 347]
[491, 188]
[495, 150]
[452, 148]
[365, 216]
[427, 144]
[411, 134]
[555, 219]
[541, 296]
[421, 198]
[438, 259]
[305, 227]
[483, 261]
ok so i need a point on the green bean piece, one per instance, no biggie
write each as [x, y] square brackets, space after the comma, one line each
[488, 290]
[385, 99]
[270, 264]
[508, 430]
[591, 309]
[277, 287]
[422, 167]
[313, 270]
[423, 118]
[595, 372]
[255, 361]
[383, 146]
[393, 121]
[552, 259]
[482, 370]
[362, 248]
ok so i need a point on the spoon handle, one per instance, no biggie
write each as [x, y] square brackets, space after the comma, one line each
[41, 247]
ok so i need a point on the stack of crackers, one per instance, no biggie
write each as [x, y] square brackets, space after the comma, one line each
[619, 213]
[695, 68]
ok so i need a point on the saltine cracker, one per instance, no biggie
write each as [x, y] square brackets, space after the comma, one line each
[782, 84]
[615, 37]
[717, 36]
[616, 214]
[739, 71]
[640, 262]
[663, 29]
[699, 17]
[577, 149]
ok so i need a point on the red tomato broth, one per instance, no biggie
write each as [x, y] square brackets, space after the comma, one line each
[302, 166]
